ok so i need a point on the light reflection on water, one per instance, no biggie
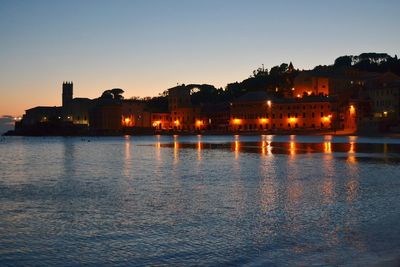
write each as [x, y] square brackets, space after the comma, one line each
[199, 200]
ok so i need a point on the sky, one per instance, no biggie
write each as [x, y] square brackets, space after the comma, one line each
[148, 46]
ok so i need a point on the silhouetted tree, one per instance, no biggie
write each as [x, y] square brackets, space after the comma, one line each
[343, 61]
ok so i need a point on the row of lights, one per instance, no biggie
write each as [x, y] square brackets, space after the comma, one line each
[292, 120]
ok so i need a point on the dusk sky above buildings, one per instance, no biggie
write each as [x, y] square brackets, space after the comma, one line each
[146, 47]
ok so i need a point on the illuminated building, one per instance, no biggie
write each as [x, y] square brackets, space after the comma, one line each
[257, 111]
[310, 83]
[161, 121]
[183, 114]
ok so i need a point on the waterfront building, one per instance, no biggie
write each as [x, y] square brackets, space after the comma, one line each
[184, 115]
[41, 114]
[215, 117]
[161, 120]
[320, 100]
[258, 111]
[134, 114]
[74, 110]
[310, 83]
[106, 116]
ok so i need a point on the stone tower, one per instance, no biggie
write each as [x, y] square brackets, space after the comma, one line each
[67, 93]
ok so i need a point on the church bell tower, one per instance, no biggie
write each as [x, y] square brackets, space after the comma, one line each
[67, 93]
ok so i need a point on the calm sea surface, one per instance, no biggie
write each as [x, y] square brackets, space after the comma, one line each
[199, 200]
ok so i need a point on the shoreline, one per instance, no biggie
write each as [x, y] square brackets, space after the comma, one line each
[210, 133]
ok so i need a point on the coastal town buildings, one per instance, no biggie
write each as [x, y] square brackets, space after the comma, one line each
[320, 100]
[257, 111]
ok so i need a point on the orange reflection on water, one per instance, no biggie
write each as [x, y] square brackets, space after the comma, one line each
[199, 148]
[327, 147]
[263, 147]
[176, 151]
[237, 149]
[158, 151]
[351, 149]
[292, 149]
[127, 155]
[351, 158]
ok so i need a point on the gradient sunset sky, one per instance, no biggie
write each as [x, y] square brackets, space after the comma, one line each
[145, 47]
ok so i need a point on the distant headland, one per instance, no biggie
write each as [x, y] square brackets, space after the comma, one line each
[356, 94]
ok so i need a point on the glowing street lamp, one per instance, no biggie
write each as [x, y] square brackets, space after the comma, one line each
[352, 109]
[326, 119]
[237, 121]
[156, 123]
